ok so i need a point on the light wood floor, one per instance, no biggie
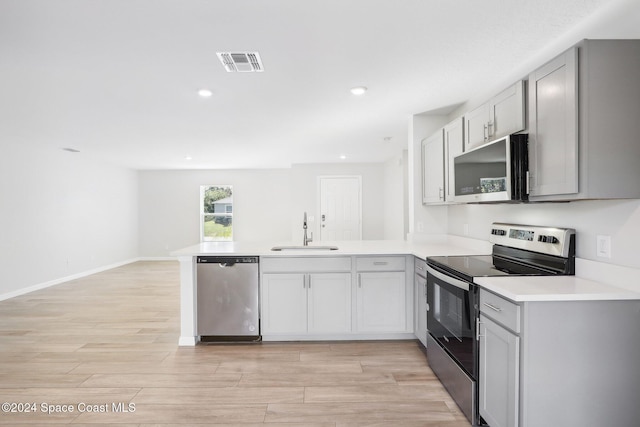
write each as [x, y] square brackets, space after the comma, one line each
[112, 338]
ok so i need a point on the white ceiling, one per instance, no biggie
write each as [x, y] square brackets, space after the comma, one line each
[118, 79]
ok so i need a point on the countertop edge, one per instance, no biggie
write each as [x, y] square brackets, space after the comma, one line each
[515, 288]
[563, 288]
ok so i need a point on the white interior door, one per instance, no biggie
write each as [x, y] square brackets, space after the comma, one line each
[340, 208]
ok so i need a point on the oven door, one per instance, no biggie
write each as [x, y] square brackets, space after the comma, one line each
[451, 317]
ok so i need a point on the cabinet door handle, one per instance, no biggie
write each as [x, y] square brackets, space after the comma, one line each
[308, 281]
[478, 323]
[484, 132]
[359, 280]
[492, 307]
[490, 131]
[380, 263]
[440, 193]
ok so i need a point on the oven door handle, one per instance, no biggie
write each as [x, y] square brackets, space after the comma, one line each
[448, 279]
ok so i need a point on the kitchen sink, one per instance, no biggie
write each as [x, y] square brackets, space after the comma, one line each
[304, 248]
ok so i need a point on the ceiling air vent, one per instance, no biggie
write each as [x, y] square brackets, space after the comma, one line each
[241, 62]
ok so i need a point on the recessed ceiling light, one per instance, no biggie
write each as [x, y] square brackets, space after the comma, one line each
[205, 93]
[358, 90]
[342, 157]
[188, 157]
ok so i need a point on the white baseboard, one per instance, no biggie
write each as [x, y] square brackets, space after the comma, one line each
[187, 341]
[54, 282]
[158, 258]
[341, 337]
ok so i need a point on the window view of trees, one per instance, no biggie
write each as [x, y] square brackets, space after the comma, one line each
[216, 203]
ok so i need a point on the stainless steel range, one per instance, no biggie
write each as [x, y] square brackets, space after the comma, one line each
[453, 312]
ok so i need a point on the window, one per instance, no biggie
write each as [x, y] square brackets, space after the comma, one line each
[216, 213]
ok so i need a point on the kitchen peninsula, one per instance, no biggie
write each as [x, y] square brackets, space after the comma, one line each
[357, 259]
[362, 258]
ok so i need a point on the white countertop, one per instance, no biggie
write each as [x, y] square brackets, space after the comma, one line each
[554, 288]
[515, 288]
[437, 245]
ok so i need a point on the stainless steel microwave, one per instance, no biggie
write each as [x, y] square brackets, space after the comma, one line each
[494, 172]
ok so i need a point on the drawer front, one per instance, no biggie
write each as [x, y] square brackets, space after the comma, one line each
[420, 267]
[501, 310]
[305, 264]
[381, 263]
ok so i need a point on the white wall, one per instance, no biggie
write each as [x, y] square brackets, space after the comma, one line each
[170, 205]
[619, 219]
[268, 203]
[395, 202]
[62, 214]
[304, 188]
[66, 215]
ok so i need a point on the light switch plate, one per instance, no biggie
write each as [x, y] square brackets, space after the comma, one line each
[603, 246]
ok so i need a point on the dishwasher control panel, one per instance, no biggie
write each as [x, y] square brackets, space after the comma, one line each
[227, 260]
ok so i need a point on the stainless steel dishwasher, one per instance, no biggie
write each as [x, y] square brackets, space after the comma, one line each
[227, 298]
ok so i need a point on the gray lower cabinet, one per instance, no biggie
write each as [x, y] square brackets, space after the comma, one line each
[420, 300]
[559, 363]
[583, 111]
[305, 296]
[336, 297]
[499, 373]
[381, 302]
[382, 296]
[312, 303]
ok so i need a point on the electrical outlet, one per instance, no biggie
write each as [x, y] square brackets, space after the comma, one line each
[420, 226]
[603, 246]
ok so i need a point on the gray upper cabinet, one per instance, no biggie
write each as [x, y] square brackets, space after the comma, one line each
[433, 169]
[507, 111]
[584, 107]
[438, 152]
[553, 127]
[502, 115]
[453, 145]
[476, 127]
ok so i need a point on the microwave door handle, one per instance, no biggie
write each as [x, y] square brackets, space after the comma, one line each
[448, 279]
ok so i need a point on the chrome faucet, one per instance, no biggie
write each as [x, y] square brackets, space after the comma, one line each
[305, 239]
